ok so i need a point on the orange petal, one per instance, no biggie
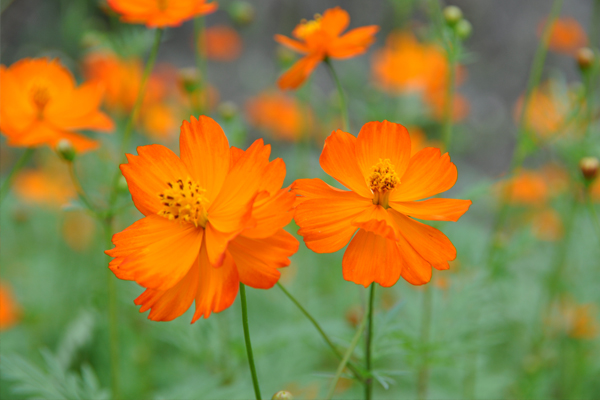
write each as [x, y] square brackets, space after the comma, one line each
[216, 244]
[380, 141]
[257, 260]
[300, 71]
[376, 219]
[335, 21]
[372, 258]
[338, 159]
[428, 174]
[17, 110]
[353, 43]
[147, 175]
[415, 269]
[171, 303]
[429, 242]
[271, 213]
[292, 44]
[433, 209]
[204, 150]
[325, 219]
[217, 287]
[155, 252]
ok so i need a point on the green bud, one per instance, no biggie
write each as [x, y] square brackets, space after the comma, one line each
[65, 150]
[241, 12]
[589, 168]
[463, 29]
[453, 15]
[122, 186]
[282, 395]
[585, 58]
[227, 110]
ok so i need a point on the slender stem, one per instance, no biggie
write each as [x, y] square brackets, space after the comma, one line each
[592, 209]
[352, 368]
[343, 105]
[450, 88]
[79, 189]
[112, 316]
[200, 34]
[368, 345]
[423, 378]
[11, 175]
[247, 339]
[347, 355]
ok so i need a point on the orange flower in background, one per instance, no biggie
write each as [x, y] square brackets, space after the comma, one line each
[161, 13]
[50, 187]
[437, 102]
[196, 95]
[385, 183]
[322, 38]
[546, 112]
[526, 188]
[9, 310]
[159, 120]
[41, 105]
[595, 190]
[221, 43]
[547, 225]
[567, 35]
[214, 217]
[280, 115]
[418, 140]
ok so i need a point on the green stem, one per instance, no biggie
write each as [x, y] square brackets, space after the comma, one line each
[79, 189]
[352, 368]
[112, 316]
[347, 355]
[592, 209]
[343, 105]
[368, 345]
[450, 89]
[200, 34]
[248, 344]
[11, 175]
[423, 378]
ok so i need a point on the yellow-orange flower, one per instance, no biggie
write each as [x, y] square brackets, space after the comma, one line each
[546, 112]
[547, 225]
[9, 310]
[221, 43]
[161, 13]
[42, 105]
[567, 36]
[385, 183]
[214, 217]
[528, 187]
[44, 187]
[280, 115]
[322, 38]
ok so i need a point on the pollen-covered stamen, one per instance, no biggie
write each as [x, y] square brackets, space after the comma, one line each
[382, 180]
[308, 27]
[184, 201]
[40, 95]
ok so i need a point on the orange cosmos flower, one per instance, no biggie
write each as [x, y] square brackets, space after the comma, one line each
[41, 105]
[214, 217]
[385, 182]
[418, 140]
[322, 38]
[280, 115]
[161, 13]
[222, 43]
[52, 188]
[567, 35]
[9, 310]
[526, 188]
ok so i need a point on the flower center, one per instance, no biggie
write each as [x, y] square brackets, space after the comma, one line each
[306, 28]
[382, 180]
[163, 4]
[184, 201]
[40, 95]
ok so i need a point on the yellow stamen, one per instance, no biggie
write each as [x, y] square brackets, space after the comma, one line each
[40, 95]
[184, 201]
[382, 180]
[307, 27]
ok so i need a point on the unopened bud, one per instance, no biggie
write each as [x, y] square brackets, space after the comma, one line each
[463, 29]
[188, 80]
[227, 110]
[282, 395]
[589, 167]
[452, 15]
[585, 58]
[122, 186]
[241, 12]
[65, 150]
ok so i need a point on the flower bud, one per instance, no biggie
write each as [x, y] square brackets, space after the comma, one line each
[463, 29]
[589, 167]
[241, 12]
[65, 150]
[452, 15]
[585, 58]
[122, 186]
[227, 110]
[282, 395]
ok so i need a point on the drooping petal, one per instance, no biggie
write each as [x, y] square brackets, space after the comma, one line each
[335, 21]
[429, 242]
[379, 141]
[353, 43]
[271, 213]
[415, 269]
[300, 71]
[216, 244]
[217, 288]
[338, 159]
[428, 174]
[433, 209]
[155, 252]
[171, 303]
[258, 260]
[147, 175]
[375, 219]
[204, 150]
[292, 44]
[372, 258]
[325, 219]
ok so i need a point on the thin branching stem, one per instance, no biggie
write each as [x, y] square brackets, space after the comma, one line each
[369, 345]
[201, 69]
[112, 315]
[79, 189]
[423, 377]
[343, 103]
[248, 343]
